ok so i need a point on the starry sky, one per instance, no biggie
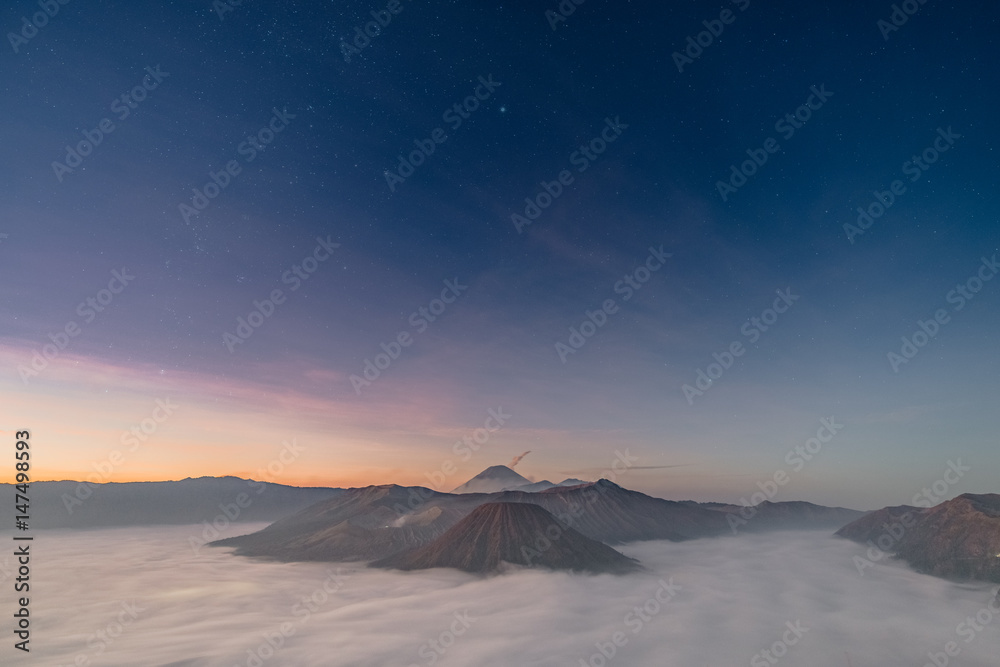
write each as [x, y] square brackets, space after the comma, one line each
[309, 127]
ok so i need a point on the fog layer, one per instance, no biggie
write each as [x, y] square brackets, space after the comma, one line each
[144, 597]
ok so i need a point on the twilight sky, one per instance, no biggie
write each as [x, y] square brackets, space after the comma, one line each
[304, 124]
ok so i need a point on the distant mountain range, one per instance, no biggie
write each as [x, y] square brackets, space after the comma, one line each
[415, 527]
[501, 478]
[787, 515]
[187, 501]
[958, 539]
[407, 526]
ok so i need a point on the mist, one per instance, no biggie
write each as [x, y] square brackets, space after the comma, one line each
[144, 597]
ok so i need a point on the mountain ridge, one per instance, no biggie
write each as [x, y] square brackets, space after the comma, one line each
[956, 539]
[500, 534]
[391, 519]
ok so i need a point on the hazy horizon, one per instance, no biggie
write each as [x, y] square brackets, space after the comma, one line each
[752, 496]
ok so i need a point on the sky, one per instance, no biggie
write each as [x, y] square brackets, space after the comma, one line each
[297, 131]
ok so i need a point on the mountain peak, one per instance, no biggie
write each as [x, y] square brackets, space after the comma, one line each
[492, 480]
[499, 471]
[958, 538]
[496, 534]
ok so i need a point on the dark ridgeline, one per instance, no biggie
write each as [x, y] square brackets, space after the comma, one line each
[957, 539]
[67, 504]
[496, 535]
[378, 522]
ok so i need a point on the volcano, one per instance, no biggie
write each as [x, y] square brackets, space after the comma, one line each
[497, 535]
[493, 480]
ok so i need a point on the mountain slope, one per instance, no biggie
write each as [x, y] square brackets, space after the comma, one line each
[492, 480]
[872, 525]
[604, 511]
[958, 539]
[545, 484]
[785, 515]
[498, 533]
[360, 524]
[380, 521]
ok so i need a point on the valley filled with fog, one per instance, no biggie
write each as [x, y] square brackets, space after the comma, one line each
[143, 596]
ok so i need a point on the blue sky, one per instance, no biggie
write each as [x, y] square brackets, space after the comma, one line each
[324, 176]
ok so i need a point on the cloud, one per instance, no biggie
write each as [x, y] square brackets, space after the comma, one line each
[735, 597]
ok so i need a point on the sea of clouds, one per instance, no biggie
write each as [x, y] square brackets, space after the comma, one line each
[143, 597]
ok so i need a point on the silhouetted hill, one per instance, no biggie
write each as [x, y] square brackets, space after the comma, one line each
[957, 539]
[604, 511]
[496, 534]
[384, 520]
[380, 521]
[359, 524]
[873, 524]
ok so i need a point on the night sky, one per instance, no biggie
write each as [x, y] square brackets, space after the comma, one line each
[311, 127]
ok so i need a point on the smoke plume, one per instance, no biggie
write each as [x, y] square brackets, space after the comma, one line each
[517, 459]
